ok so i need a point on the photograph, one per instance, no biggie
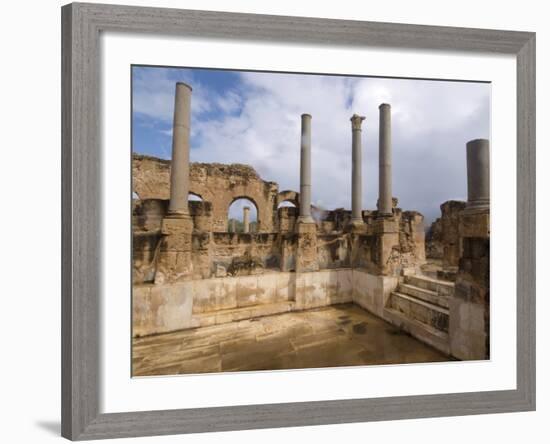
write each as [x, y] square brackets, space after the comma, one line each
[286, 221]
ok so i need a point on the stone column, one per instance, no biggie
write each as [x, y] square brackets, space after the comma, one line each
[385, 228]
[477, 162]
[179, 175]
[246, 220]
[469, 306]
[306, 251]
[232, 228]
[305, 171]
[384, 158]
[175, 259]
[356, 167]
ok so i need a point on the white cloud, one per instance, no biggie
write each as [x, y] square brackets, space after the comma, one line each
[154, 93]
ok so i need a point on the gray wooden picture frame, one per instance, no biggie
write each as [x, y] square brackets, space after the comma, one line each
[81, 231]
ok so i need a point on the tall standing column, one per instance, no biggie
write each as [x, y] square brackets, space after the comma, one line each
[179, 175]
[246, 219]
[305, 171]
[356, 174]
[385, 203]
[306, 229]
[477, 163]
[232, 228]
[175, 259]
[469, 335]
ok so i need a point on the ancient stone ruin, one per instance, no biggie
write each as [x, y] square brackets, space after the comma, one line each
[192, 267]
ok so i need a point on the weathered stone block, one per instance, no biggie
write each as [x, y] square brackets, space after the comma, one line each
[162, 308]
[310, 290]
[306, 254]
[385, 225]
[286, 286]
[247, 291]
[474, 223]
[214, 294]
[469, 321]
[373, 291]
[177, 225]
[267, 288]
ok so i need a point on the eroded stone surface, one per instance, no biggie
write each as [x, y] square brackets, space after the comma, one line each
[443, 236]
[216, 183]
[278, 242]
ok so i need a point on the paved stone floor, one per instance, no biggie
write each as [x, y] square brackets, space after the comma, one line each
[339, 335]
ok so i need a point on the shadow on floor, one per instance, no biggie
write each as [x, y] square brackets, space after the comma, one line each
[53, 427]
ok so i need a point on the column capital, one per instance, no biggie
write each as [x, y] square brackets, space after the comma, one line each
[356, 121]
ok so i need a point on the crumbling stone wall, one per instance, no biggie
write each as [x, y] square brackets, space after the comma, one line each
[469, 307]
[444, 237]
[256, 252]
[216, 183]
[412, 236]
[333, 251]
[279, 244]
[434, 240]
[286, 217]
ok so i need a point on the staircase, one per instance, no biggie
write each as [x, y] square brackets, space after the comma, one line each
[420, 306]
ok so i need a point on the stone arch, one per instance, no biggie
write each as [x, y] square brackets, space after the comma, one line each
[254, 210]
[194, 196]
[286, 203]
[223, 188]
[216, 183]
[236, 198]
[288, 196]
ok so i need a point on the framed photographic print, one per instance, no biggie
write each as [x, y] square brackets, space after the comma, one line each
[278, 221]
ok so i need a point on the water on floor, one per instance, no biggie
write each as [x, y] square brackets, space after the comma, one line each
[334, 336]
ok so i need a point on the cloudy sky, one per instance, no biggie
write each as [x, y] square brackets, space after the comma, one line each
[254, 118]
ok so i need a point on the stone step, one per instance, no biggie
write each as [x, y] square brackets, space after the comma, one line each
[433, 297]
[423, 332]
[239, 314]
[414, 308]
[441, 287]
[447, 275]
[430, 273]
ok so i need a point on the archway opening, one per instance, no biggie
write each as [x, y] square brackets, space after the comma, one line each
[286, 203]
[242, 216]
[192, 197]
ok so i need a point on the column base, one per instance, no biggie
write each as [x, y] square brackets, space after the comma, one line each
[178, 214]
[477, 206]
[305, 220]
[357, 222]
[481, 204]
[357, 226]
